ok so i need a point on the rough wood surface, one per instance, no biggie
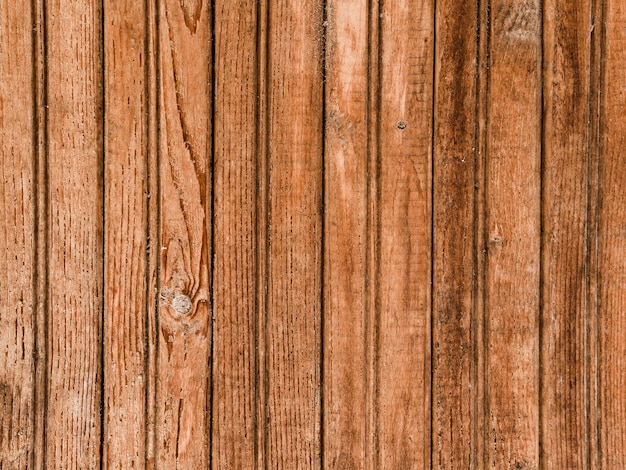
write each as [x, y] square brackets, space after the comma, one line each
[565, 230]
[183, 388]
[293, 327]
[346, 235]
[612, 242]
[404, 225]
[125, 235]
[234, 282]
[18, 236]
[513, 197]
[454, 377]
[312, 234]
[75, 254]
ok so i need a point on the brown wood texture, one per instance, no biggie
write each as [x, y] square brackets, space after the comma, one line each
[74, 297]
[454, 347]
[336, 234]
[565, 229]
[18, 237]
[611, 242]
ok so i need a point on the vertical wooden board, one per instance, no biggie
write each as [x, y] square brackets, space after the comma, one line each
[18, 244]
[566, 112]
[184, 314]
[293, 328]
[513, 231]
[404, 263]
[75, 233]
[234, 280]
[125, 232]
[612, 241]
[345, 236]
[453, 355]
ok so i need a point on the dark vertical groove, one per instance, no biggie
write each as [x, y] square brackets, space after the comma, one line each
[589, 309]
[211, 378]
[322, 370]
[268, 219]
[158, 195]
[102, 123]
[368, 240]
[39, 164]
[46, 235]
[485, 234]
[598, 199]
[432, 236]
[542, 213]
[35, 220]
[378, 227]
[475, 238]
[147, 87]
[257, 194]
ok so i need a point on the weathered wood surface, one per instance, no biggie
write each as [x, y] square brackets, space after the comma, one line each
[312, 234]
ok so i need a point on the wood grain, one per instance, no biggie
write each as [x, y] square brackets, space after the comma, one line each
[234, 224]
[185, 165]
[404, 224]
[454, 266]
[293, 326]
[513, 199]
[564, 251]
[346, 238]
[126, 235]
[18, 235]
[75, 233]
[612, 241]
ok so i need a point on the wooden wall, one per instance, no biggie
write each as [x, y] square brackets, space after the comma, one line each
[293, 234]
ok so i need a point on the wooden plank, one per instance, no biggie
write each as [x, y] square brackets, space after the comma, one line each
[454, 317]
[564, 251]
[612, 241]
[235, 307]
[404, 224]
[184, 314]
[345, 236]
[74, 76]
[293, 327]
[18, 235]
[126, 237]
[513, 233]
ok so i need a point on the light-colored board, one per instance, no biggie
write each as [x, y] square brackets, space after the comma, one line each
[75, 252]
[454, 387]
[125, 234]
[513, 224]
[293, 327]
[183, 341]
[346, 235]
[234, 223]
[565, 230]
[403, 278]
[18, 235]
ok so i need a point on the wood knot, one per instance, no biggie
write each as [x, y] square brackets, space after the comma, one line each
[181, 303]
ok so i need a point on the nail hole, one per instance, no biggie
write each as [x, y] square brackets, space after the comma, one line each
[401, 125]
